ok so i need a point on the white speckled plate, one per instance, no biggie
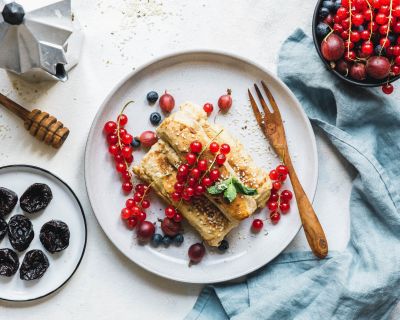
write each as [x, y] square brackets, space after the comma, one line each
[66, 207]
[199, 77]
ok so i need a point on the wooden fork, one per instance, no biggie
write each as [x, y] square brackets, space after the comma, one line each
[272, 126]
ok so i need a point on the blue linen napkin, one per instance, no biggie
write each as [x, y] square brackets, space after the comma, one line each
[363, 282]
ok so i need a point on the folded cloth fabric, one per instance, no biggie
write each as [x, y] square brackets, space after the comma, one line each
[362, 282]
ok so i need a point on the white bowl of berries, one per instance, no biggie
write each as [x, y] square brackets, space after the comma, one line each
[359, 40]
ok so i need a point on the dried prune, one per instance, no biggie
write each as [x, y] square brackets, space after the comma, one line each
[3, 228]
[9, 262]
[34, 265]
[37, 197]
[54, 236]
[20, 232]
[8, 200]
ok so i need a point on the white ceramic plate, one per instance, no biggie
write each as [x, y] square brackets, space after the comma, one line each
[199, 77]
[65, 206]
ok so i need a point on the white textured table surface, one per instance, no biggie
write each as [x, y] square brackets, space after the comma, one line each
[120, 35]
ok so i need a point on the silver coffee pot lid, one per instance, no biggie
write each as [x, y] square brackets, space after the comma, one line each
[39, 39]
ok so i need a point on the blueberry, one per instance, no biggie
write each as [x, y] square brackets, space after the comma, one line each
[166, 241]
[178, 239]
[152, 97]
[135, 143]
[378, 49]
[392, 38]
[155, 118]
[323, 13]
[338, 4]
[223, 246]
[322, 30]
[330, 5]
[156, 240]
[360, 28]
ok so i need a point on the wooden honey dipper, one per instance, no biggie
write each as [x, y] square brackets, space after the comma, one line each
[40, 124]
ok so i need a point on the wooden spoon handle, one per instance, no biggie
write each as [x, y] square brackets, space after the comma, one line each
[312, 227]
[40, 124]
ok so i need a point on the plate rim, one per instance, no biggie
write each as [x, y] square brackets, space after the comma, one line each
[84, 220]
[172, 55]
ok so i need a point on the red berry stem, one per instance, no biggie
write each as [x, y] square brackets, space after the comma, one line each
[119, 135]
[372, 19]
[349, 30]
[208, 145]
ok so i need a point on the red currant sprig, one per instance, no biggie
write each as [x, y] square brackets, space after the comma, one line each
[119, 147]
[135, 207]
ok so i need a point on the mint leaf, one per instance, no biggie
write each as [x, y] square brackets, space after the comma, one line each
[241, 188]
[219, 187]
[230, 192]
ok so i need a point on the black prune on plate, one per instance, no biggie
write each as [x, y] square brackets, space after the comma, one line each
[9, 262]
[3, 228]
[34, 265]
[8, 200]
[37, 197]
[20, 232]
[54, 236]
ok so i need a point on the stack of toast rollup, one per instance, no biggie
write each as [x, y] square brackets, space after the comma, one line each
[210, 215]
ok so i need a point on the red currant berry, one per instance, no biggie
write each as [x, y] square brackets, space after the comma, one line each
[376, 4]
[191, 158]
[122, 120]
[177, 217]
[350, 56]
[372, 26]
[272, 206]
[383, 30]
[131, 223]
[110, 127]
[176, 196]
[286, 195]
[179, 187]
[348, 45]
[283, 177]
[385, 9]
[208, 108]
[396, 50]
[114, 150]
[120, 167]
[127, 186]
[395, 70]
[225, 148]
[338, 28]
[185, 196]
[367, 15]
[141, 216]
[140, 187]
[206, 182]
[365, 35]
[118, 158]
[344, 35]
[183, 170]
[122, 131]
[275, 217]
[191, 182]
[126, 138]
[220, 160]
[126, 213]
[346, 23]
[273, 175]
[196, 146]
[112, 139]
[354, 36]
[199, 190]
[387, 88]
[126, 151]
[195, 173]
[284, 207]
[137, 197]
[136, 210]
[396, 11]
[257, 225]
[367, 48]
[125, 176]
[130, 203]
[274, 197]
[282, 169]
[342, 13]
[189, 191]
[214, 174]
[129, 159]
[170, 212]
[145, 204]
[181, 178]
[358, 19]
[384, 42]
[202, 165]
[381, 19]
[397, 60]
[276, 185]
[214, 147]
